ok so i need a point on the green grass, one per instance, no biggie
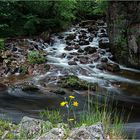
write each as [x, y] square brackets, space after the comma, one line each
[53, 116]
[35, 57]
[93, 113]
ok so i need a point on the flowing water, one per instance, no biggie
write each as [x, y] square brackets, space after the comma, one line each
[123, 85]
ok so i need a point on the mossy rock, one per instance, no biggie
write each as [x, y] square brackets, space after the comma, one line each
[36, 57]
[73, 82]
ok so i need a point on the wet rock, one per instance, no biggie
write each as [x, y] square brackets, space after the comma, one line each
[90, 50]
[76, 47]
[104, 43]
[63, 55]
[90, 39]
[104, 59]
[113, 67]
[60, 92]
[72, 63]
[84, 42]
[83, 31]
[95, 57]
[53, 134]
[100, 23]
[31, 127]
[100, 66]
[92, 66]
[75, 59]
[68, 42]
[70, 37]
[80, 51]
[93, 132]
[60, 37]
[73, 53]
[111, 57]
[102, 30]
[68, 48]
[93, 28]
[69, 57]
[14, 49]
[83, 60]
[102, 35]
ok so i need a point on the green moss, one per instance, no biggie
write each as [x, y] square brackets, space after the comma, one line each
[47, 67]
[1, 44]
[24, 69]
[74, 82]
[35, 57]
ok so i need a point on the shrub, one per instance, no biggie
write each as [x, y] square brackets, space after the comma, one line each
[36, 57]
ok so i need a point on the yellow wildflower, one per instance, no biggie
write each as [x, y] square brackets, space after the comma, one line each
[71, 119]
[63, 103]
[71, 97]
[75, 103]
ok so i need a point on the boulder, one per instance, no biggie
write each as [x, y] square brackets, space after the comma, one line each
[113, 67]
[84, 42]
[69, 57]
[72, 63]
[76, 47]
[70, 37]
[90, 50]
[80, 50]
[83, 60]
[104, 59]
[103, 44]
[92, 28]
[53, 134]
[30, 127]
[100, 66]
[68, 48]
[93, 132]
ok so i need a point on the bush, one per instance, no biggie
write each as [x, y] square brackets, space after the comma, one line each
[36, 57]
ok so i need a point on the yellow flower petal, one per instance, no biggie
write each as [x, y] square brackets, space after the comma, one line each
[75, 103]
[63, 103]
[71, 97]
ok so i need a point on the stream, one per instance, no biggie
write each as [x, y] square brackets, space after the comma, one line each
[68, 54]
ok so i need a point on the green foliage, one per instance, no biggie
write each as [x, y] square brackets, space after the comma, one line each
[24, 70]
[36, 57]
[7, 126]
[85, 9]
[53, 116]
[34, 17]
[106, 114]
[1, 44]
[100, 7]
